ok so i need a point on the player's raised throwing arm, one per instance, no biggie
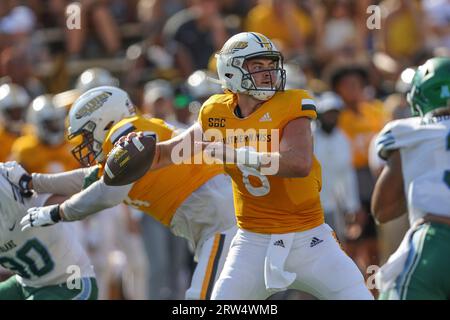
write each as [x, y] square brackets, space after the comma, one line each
[180, 147]
[295, 156]
[293, 159]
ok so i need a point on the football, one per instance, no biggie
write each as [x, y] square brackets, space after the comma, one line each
[129, 161]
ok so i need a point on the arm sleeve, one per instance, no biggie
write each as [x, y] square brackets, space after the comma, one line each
[64, 183]
[302, 104]
[96, 197]
[385, 142]
[399, 134]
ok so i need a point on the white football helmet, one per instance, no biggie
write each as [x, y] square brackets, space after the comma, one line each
[295, 78]
[231, 59]
[200, 87]
[92, 116]
[48, 119]
[14, 101]
[95, 77]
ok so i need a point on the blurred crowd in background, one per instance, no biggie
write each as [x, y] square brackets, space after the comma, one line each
[162, 53]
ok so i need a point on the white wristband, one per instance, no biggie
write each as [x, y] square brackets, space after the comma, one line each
[248, 158]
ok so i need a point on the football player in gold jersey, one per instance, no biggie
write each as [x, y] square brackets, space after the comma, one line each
[14, 101]
[262, 135]
[194, 201]
[44, 149]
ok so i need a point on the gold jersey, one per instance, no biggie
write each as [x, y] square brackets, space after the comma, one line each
[36, 156]
[361, 127]
[160, 192]
[267, 203]
[6, 139]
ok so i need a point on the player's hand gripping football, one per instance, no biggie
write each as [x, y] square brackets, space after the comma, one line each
[130, 159]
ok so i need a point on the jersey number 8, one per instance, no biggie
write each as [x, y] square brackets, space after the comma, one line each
[255, 191]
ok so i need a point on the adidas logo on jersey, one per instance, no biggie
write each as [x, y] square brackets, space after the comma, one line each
[265, 118]
[315, 241]
[279, 243]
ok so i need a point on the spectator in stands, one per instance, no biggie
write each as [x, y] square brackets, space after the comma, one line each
[402, 31]
[158, 97]
[194, 34]
[360, 120]
[235, 12]
[282, 21]
[337, 25]
[339, 195]
[183, 117]
[49, 13]
[95, 16]
[147, 61]
[16, 65]
[437, 17]
[154, 13]
[16, 21]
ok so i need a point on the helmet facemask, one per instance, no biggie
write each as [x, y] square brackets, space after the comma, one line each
[51, 131]
[89, 150]
[276, 77]
[14, 119]
[92, 116]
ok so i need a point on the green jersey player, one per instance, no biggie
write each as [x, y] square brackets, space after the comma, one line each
[416, 180]
[49, 263]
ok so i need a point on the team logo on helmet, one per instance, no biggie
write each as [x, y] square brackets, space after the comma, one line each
[92, 105]
[233, 47]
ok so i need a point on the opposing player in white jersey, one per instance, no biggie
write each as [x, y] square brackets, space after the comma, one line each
[416, 180]
[49, 264]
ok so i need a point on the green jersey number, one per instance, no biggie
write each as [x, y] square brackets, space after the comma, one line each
[33, 259]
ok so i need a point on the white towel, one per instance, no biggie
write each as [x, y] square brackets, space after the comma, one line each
[388, 273]
[275, 277]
